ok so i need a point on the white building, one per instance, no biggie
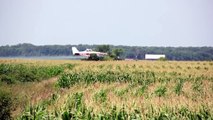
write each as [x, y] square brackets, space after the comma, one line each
[154, 56]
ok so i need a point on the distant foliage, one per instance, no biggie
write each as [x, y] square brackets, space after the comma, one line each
[134, 52]
[103, 48]
[118, 53]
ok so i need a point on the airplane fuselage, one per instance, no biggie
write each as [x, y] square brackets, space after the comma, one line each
[89, 53]
[86, 53]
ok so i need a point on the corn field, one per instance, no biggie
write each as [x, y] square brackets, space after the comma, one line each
[127, 90]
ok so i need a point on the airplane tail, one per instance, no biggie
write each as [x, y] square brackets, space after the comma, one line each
[74, 50]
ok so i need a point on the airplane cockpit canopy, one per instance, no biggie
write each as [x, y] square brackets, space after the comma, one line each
[88, 50]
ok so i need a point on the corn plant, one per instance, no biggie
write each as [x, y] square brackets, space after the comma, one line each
[160, 91]
[179, 86]
[37, 112]
[120, 93]
[100, 96]
[197, 85]
[141, 90]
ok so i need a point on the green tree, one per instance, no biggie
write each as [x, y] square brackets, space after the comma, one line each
[103, 48]
[118, 52]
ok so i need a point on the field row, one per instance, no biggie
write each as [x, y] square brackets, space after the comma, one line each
[102, 104]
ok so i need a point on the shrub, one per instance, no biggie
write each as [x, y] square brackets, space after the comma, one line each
[93, 57]
[162, 59]
[7, 79]
[11, 73]
[5, 105]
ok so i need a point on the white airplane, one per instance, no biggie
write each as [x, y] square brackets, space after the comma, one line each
[87, 52]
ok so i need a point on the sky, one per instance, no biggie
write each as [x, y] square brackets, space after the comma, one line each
[117, 22]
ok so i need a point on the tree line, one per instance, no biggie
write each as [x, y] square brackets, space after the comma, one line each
[132, 52]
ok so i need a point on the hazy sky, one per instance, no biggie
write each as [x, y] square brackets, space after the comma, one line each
[118, 22]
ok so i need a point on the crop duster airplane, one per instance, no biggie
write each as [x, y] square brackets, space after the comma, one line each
[87, 52]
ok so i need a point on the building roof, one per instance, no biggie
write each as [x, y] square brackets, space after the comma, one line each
[154, 56]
